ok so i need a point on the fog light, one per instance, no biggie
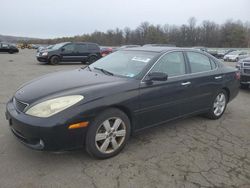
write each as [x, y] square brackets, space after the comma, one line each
[79, 125]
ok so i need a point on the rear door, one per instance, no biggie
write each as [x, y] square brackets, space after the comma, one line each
[206, 79]
[82, 52]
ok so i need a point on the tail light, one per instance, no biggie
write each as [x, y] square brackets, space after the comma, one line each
[237, 75]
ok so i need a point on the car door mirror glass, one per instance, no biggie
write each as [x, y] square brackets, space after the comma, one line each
[157, 76]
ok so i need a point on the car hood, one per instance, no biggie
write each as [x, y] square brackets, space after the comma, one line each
[64, 83]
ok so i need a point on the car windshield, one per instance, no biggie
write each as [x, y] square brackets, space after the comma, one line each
[57, 46]
[124, 63]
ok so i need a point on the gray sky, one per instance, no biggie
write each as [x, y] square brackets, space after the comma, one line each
[57, 18]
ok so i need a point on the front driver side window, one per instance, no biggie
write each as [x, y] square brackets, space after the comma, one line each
[68, 48]
[172, 64]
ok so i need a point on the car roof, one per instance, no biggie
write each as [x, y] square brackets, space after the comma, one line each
[158, 49]
[76, 43]
[150, 49]
[84, 43]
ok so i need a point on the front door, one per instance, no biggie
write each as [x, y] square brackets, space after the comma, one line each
[164, 100]
[68, 52]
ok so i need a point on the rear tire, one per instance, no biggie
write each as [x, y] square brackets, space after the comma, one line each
[54, 60]
[218, 105]
[108, 134]
[91, 60]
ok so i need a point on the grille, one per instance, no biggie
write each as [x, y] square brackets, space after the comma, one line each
[247, 71]
[246, 64]
[20, 106]
[245, 78]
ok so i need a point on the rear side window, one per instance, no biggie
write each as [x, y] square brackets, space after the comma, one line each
[199, 62]
[172, 64]
[81, 48]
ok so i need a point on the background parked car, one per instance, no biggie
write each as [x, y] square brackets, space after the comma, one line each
[105, 50]
[244, 67]
[4, 47]
[160, 45]
[222, 53]
[84, 52]
[235, 56]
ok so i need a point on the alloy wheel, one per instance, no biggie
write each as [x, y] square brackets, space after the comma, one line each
[110, 135]
[219, 104]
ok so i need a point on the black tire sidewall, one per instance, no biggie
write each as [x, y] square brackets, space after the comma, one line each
[54, 60]
[90, 137]
[91, 59]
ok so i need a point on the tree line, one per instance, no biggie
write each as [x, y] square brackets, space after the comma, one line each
[208, 33]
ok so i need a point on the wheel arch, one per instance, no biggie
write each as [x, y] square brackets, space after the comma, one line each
[127, 111]
[228, 93]
[54, 56]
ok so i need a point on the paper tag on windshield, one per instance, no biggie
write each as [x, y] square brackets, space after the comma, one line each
[141, 59]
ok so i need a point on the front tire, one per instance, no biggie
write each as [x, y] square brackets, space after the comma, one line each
[218, 106]
[108, 134]
[54, 60]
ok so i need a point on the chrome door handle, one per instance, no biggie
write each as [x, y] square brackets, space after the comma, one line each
[185, 83]
[217, 77]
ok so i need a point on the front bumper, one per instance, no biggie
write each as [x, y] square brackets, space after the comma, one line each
[42, 59]
[45, 133]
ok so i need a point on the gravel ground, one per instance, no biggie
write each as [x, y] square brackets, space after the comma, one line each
[194, 152]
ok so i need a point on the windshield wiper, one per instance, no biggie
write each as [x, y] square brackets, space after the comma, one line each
[104, 71]
[87, 67]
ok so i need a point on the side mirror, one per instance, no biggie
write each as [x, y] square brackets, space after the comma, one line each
[157, 76]
[62, 49]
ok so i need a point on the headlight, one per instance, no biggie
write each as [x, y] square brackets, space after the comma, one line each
[44, 53]
[53, 106]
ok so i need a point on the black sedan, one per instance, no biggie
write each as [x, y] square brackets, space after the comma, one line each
[101, 105]
[9, 48]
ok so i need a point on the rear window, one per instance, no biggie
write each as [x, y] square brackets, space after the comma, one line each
[198, 62]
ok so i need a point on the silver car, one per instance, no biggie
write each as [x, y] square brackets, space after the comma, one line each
[235, 56]
[244, 67]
